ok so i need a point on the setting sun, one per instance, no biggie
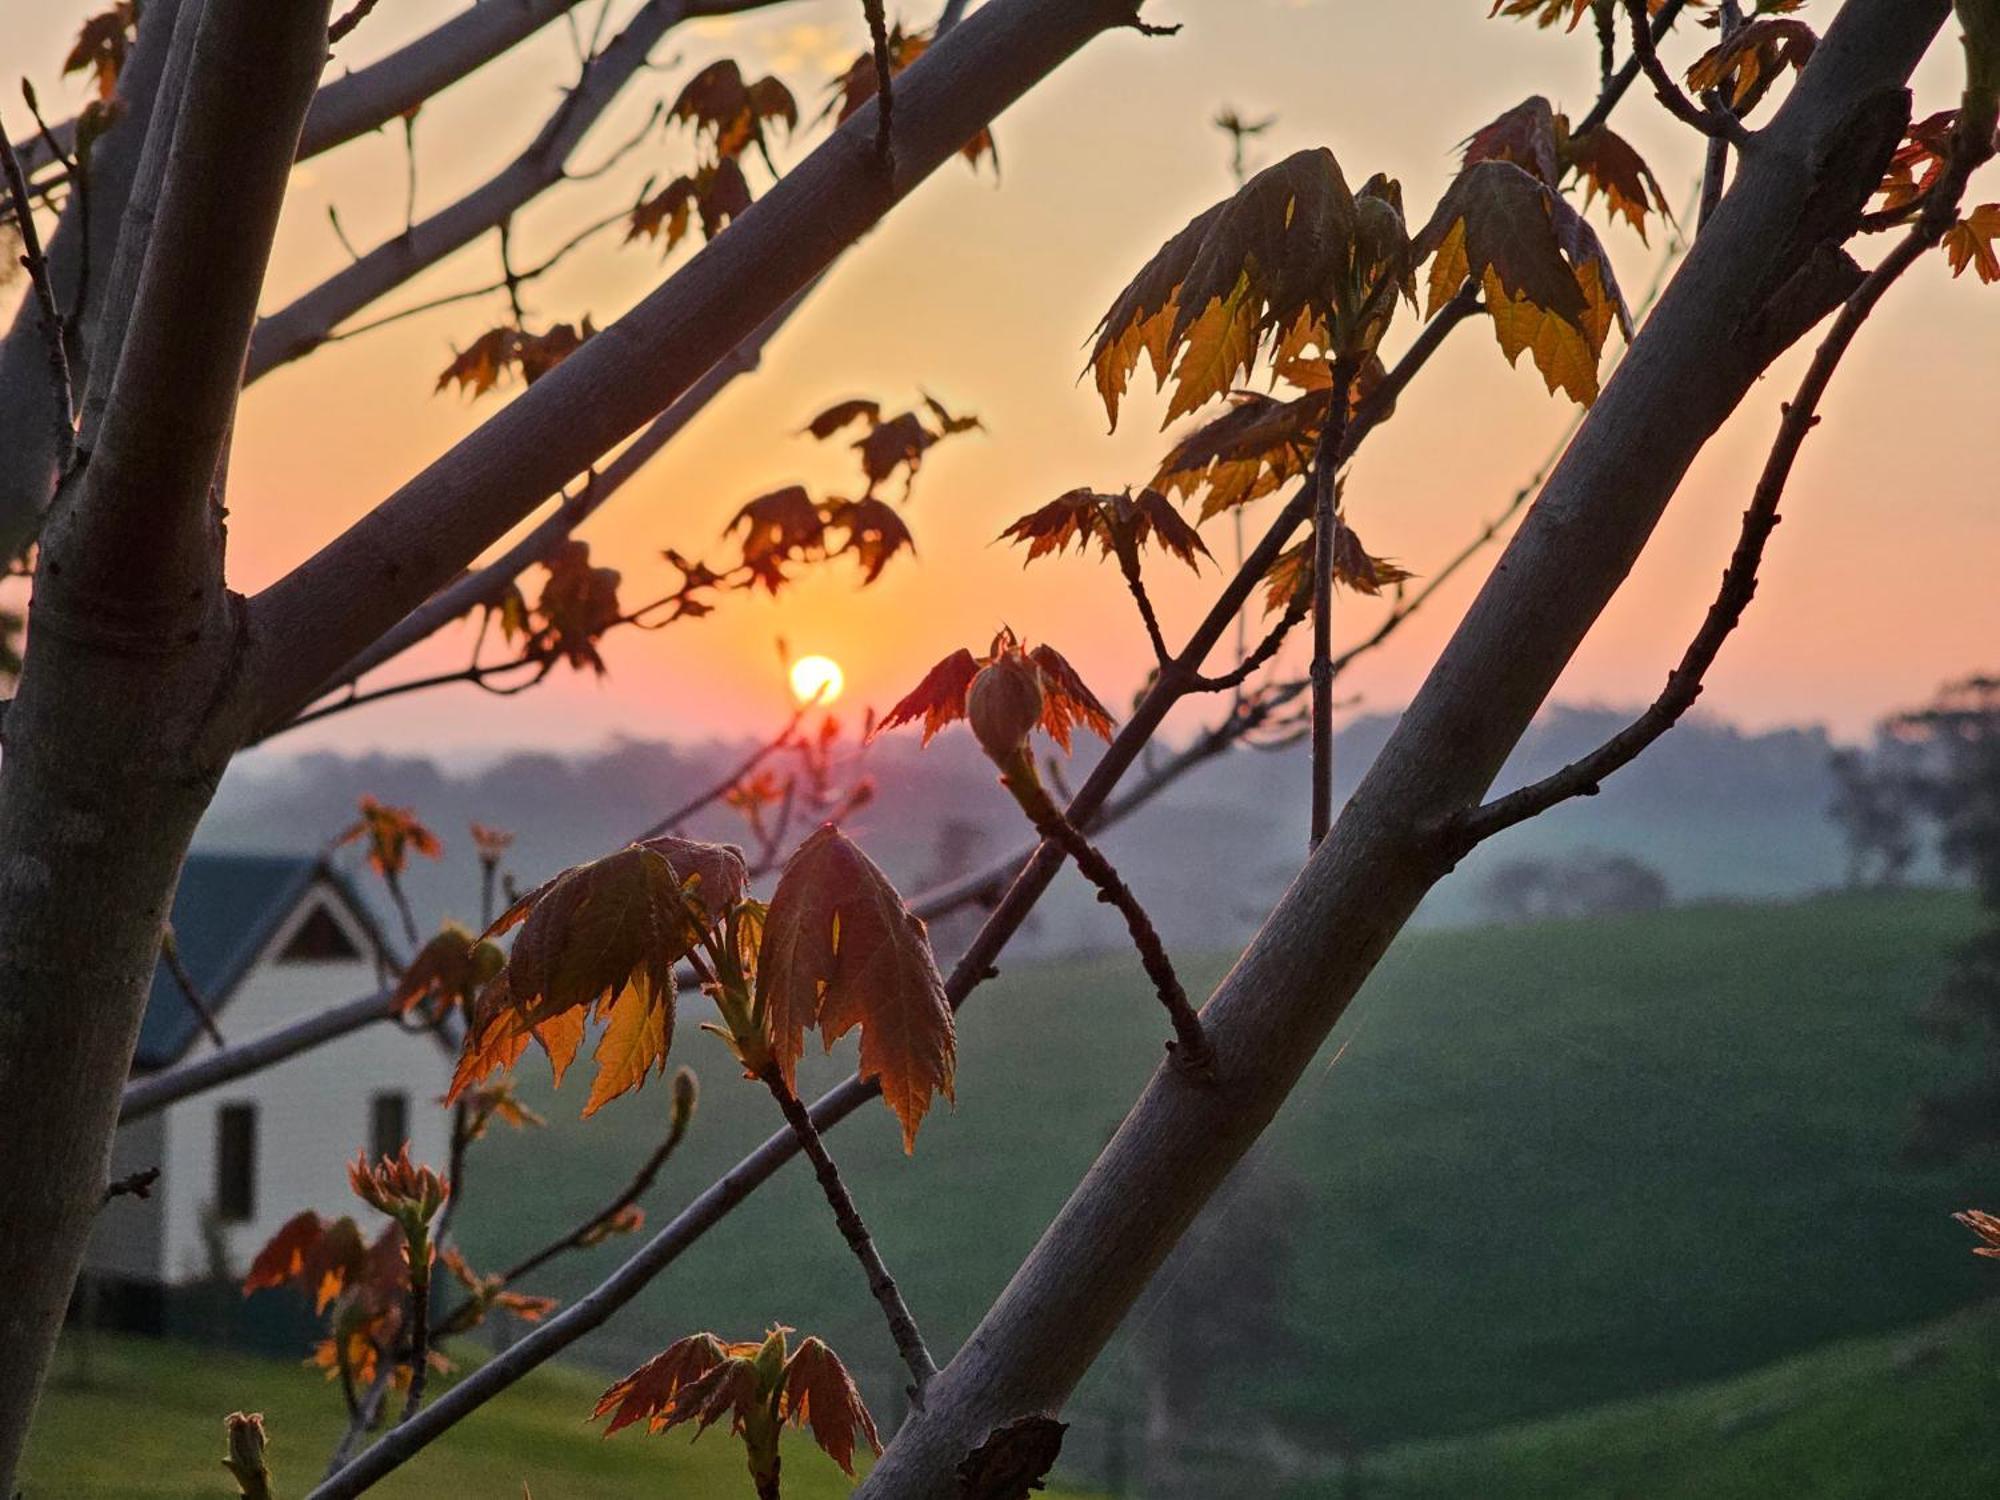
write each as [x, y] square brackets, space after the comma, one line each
[817, 679]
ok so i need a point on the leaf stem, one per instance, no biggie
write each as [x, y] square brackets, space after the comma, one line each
[1190, 1046]
[902, 1327]
[1326, 528]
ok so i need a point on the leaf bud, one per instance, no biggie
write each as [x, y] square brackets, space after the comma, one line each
[1004, 704]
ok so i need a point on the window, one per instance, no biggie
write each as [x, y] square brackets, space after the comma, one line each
[236, 1163]
[388, 1124]
[319, 939]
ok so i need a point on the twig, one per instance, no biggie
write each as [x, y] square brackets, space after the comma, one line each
[170, 955]
[477, 675]
[342, 25]
[1582, 778]
[1326, 530]
[720, 789]
[366, 1417]
[902, 1327]
[885, 72]
[1296, 609]
[409, 174]
[1127, 552]
[519, 278]
[37, 265]
[1614, 90]
[1716, 163]
[420, 1330]
[588, 1232]
[1709, 122]
[1190, 1046]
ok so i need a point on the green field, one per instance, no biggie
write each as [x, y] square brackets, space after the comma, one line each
[1537, 1170]
[1866, 1419]
[145, 1423]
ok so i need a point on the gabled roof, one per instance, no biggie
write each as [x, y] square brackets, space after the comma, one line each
[226, 910]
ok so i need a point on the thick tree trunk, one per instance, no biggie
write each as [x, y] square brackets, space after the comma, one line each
[126, 713]
[1754, 282]
[92, 831]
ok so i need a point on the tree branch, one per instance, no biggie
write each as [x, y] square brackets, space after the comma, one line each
[1270, 1016]
[317, 617]
[485, 584]
[310, 318]
[1614, 88]
[1720, 124]
[61, 395]
[902, 1327]
[1326, 529]
[1584, 776]
[973, 967]
[141, 543]
[1190, 1048]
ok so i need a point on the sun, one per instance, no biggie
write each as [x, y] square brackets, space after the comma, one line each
[817, 679]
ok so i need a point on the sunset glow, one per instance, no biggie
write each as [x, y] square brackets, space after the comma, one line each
[817, 679]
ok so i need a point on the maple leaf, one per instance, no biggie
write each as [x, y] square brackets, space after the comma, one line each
[393, 834]
[1114, 522]
[483, 363]
[875, 533]
[317, 1255]
[840, 950]
[539, 353]
[819, 1392]
[102, 45]
[1548, 283]
[841, 414]
[1526, 135]
[1257, 445]
[1252, 264]
[718, 102]
[1987, 1227]
[448, 972]
[578, 604]
[1969, 242]
[897, 443]
[717, 193]
[1750, 61]
[601, 939]
[857, 84]
[778, 528]
[940, 699]
[1291, 572]
[648, 1393]
[1919, 161]
[949, 425]
[1610, 166]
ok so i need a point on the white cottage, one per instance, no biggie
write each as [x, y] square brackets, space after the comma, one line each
[265, 939]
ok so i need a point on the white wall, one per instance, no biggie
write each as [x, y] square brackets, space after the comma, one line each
[312, 1112]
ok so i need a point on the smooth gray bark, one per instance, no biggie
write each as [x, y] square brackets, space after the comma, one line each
[1719, 324]
[297, 328]
[28, 457]
[113, 744]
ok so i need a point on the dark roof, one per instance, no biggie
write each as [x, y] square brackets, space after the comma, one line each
[226, 909]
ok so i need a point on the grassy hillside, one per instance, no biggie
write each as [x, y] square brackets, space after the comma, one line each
[1537, 1168]
[145, 1423]
[1866, 1419]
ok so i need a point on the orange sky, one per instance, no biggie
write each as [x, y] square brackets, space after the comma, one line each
[1879, 586]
